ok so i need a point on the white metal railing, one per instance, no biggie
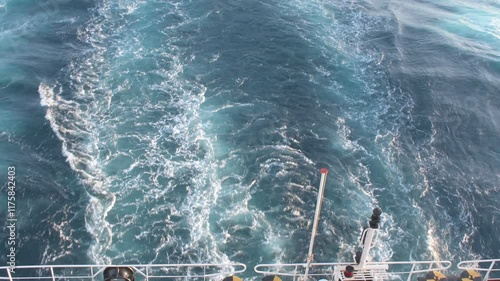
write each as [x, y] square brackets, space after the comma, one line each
[489, 269]
[375, 271]
[147, 272]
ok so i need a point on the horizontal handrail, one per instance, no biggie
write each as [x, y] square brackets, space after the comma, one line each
[487, 267]
[473, 264]
[371, 271]
[145, 271]
[490, 269]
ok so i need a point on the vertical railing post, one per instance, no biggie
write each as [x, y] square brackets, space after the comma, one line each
[489, 270]
[411, 271]
[8, 274]
[52, 273]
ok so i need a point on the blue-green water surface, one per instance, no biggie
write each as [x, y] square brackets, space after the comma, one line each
[193, 131]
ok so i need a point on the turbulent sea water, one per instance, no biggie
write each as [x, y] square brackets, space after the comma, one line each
[153, 131]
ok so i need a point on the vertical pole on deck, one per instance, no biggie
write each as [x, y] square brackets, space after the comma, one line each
[324, 173]
[367, 237]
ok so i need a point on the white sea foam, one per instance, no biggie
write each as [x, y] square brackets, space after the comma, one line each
[91, 126]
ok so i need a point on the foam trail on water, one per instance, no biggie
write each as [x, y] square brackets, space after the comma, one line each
[345, 45]
[132, 130]
[79, 155]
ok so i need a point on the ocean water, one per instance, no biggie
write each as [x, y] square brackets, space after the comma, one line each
[193, 131]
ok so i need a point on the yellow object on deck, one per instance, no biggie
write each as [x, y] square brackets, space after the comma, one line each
[470, 275]
[232, 278]
[435, 276]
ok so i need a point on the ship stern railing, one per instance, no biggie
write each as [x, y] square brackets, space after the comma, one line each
[371, 271]
[149, 272]
[489, 269]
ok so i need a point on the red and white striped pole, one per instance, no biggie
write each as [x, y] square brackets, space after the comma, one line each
[324, 173]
